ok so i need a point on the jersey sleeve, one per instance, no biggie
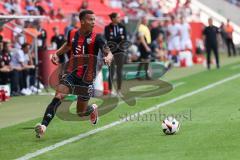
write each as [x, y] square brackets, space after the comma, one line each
[69, 37]
[100, 42]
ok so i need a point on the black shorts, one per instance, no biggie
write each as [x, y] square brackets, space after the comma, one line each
[143, 53]
[78, 87]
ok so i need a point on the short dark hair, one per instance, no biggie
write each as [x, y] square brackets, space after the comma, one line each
[25, 45]
[83, 14]
[113, 15]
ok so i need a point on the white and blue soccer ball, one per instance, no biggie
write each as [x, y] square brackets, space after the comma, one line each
[170, 126]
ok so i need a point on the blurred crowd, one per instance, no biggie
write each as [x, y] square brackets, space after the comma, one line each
[235, 2]
[161, 40]
[160, 37]
[17, 68]
[33, 7]
[164, 39]
[154, 8]
[17, 56]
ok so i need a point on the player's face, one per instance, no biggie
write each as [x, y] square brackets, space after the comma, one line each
[117, 19]
[26, 49]
[210, 22]
[89, 22]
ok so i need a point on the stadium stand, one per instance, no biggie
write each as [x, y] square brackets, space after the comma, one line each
[61, 12]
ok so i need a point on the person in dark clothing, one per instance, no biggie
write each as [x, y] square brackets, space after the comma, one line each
[157, 30]
[57, 41]
[42, 37]
[210, 36]
[223, 33]
[116, 34]
[5, 68]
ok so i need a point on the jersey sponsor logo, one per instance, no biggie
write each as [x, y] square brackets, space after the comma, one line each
[89, 40]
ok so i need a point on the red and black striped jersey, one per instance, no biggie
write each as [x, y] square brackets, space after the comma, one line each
[84, 54]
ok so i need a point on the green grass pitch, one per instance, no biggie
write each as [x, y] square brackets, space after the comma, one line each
[209, 126]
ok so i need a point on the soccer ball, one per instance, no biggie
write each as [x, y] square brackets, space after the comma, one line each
[170, 126]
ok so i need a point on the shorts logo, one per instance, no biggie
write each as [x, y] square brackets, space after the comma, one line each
[90, 90]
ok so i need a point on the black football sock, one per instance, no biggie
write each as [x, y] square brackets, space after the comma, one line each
[51, 111]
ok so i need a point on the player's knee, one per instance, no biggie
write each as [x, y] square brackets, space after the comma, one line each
[60, 96]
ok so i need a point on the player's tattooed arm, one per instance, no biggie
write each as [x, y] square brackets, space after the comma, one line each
[62, 50]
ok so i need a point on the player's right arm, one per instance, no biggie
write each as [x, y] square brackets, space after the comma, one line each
[62, 50]
[65, 48]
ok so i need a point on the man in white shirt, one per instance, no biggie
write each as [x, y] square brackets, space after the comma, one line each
[18, 34]
[173, 37]
[20, 63]
[185, 35]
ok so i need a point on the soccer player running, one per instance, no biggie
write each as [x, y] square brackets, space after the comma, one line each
[80, 72]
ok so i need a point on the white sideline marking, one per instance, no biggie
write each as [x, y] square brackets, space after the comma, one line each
[178, 84]
[235, 67]
[83, 135]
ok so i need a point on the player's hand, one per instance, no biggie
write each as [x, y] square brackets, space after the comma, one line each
[55, 59]
[148, 49]
[108, 59]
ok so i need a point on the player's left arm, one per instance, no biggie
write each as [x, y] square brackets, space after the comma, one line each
[102, 44]
[124, 33]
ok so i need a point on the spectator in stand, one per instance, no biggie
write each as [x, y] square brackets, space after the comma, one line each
[52, 14]
[185, 35]
[1, 33]
[74, 21]
[144, 41]
[28, 71]
[210, 37]
[5, 68]
[223, 34]
[16, 7]
[159, 48]
[8, 5]
[49, 4]
[18, 34]
[173, 39]
[30, 8]
[83, 6]
[158, 12]
[159, 29]
[16, 75]
[229, 33]
[20, 62]
[186, 10]
[60, 15]
[57, 41]
[39, 7]
[42, 37]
